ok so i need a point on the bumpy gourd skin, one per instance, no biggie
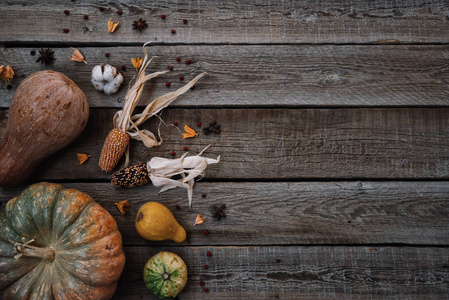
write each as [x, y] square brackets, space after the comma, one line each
[165, 274]
[88, 246]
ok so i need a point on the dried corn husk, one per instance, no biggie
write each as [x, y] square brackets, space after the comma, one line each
[160, 171]
[127, 122]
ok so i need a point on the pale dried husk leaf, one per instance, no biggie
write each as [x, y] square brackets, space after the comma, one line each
[127, 122]
[160, 171]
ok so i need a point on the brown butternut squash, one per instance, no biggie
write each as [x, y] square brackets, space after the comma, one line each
[47, 112]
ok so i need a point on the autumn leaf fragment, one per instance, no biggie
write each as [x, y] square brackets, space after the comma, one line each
[77, 56]
[123, 206]
[82, 157]
[189, 132]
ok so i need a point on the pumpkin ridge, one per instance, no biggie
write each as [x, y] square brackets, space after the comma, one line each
[11, 270]
[21, 234]
[46, 238]
[67, 272]
[92, 212]
[177, 285]
[4, 224]
[20, 200]
[36, 264]
[63, 273]
[81, 294]
[42, 285]
[30, 278]
[52, 211]
[72, 250]
[39, 240]
[169, 288]
[9, 211]
[71, 197]
[171, 263]
[163, 262]
[153, 267]
[59, 241]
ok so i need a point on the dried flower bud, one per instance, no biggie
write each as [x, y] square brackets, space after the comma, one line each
[77, 56]
[137, 62]
[189, 132]
[112, 25]
[123, 206]
[82, 157]
[199, 220]
[6, 73]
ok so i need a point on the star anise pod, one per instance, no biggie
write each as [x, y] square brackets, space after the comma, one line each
[219, 212]
[213, 127]
[46, 56]
[140, 24]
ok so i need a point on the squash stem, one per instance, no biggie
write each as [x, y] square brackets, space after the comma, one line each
[45, 253]
[166, 276]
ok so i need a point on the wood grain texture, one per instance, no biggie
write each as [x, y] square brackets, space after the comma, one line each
[382, 143]
[251, 75]
[299, 272]
[354, 21]
[413, 213]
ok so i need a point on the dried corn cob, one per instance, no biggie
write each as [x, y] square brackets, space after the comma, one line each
[133, 176]
[128, 124]
[113, 149]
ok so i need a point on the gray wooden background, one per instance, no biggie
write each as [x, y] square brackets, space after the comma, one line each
[334, 143]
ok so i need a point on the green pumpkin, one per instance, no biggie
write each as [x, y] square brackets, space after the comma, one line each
[165, 274]
[58, 243]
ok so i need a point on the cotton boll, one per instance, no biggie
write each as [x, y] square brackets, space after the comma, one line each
[109, 73]
[98, 85]
[113, 86]
[97, 74]
[106, 78]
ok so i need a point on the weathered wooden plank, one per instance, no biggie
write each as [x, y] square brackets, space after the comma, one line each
[413, 213]
[264, 75]
[354, 21]
[281, 143]
[299, 273]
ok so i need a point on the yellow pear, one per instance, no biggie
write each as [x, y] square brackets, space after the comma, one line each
[155, 222]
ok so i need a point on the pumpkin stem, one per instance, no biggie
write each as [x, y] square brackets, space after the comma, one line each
[25, 249]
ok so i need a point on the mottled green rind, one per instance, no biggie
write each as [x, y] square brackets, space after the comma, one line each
[170, 263]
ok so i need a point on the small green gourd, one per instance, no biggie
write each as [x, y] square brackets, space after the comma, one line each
[165, 275]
